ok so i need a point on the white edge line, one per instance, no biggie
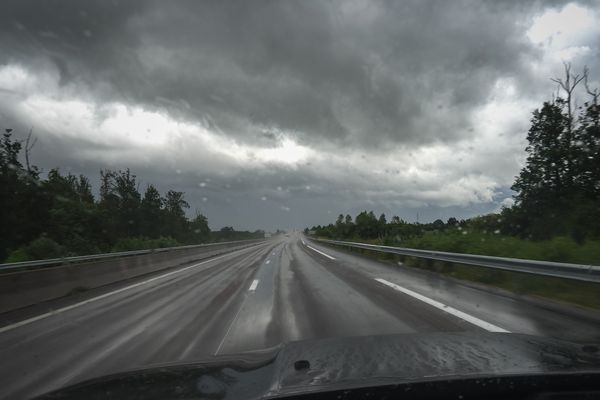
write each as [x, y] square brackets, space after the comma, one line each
[457, 313]
[102, 296]
[253, 286]
[320, 252]
[303, 242]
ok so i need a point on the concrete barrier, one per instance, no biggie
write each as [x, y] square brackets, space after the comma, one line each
[23, 288]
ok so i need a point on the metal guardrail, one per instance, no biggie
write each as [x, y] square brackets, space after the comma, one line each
[587, 273]
[94, 257]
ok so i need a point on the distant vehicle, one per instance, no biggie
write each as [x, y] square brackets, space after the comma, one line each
[411, 366]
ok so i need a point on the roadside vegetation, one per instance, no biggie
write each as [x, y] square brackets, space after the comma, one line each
[555, 216]
[55, 214]
[465, 236]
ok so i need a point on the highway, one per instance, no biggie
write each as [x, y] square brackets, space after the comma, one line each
[284, 289]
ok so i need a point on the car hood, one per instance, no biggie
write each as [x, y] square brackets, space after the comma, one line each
[350, 362]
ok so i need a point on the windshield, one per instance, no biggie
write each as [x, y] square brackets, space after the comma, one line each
[183, 180]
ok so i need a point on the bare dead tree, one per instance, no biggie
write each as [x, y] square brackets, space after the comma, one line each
[568, 84]
[595, 93]
[28, 147]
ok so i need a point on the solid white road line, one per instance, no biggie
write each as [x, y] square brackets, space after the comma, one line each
[253, 286]
[469, 318]
[320, 252]
[105, 295]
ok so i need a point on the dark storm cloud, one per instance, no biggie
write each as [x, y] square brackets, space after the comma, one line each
[372, 73]
[383, 95]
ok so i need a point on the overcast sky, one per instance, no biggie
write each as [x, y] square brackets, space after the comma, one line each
[281, 114]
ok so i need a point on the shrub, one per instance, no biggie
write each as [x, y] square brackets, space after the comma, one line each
[38, 249]
[143, 243]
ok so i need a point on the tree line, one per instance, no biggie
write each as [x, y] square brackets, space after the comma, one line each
[59, 216]
[366, 225]
[557, 193]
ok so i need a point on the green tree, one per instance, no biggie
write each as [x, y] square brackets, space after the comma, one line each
[22, 208]
[72, 219]
[200, 232]
[126, 188]
[561, 176]
[174, 220]
[381, 226]
[151, 213]
[348, 226]
[366, 225]
[339, 226]
[438, 224]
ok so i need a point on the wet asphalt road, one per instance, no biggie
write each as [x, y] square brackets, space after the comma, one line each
[281, 290]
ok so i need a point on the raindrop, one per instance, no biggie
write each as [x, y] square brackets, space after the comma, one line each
[301, 365]
[204, 199]
[178, 171]
[263, 198]
[590, 348]
[497, 231]
[202, 184]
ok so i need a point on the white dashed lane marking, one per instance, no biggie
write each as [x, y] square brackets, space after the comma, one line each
[253, 286]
